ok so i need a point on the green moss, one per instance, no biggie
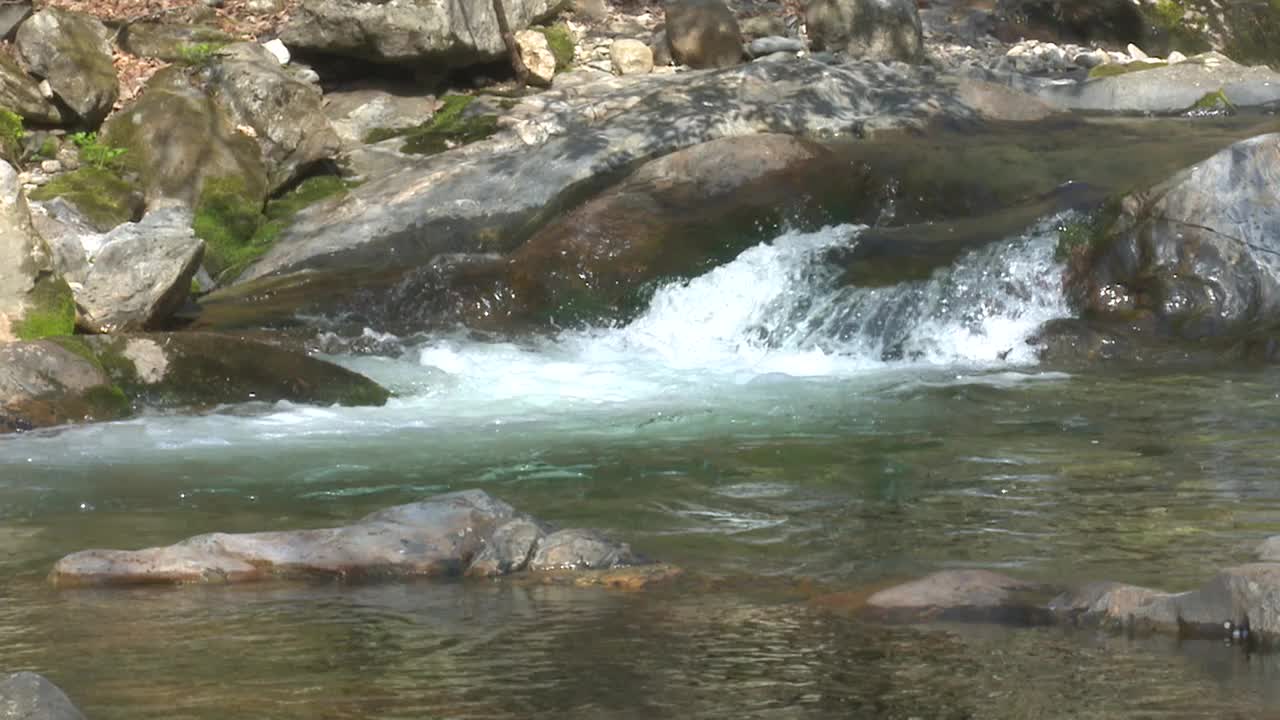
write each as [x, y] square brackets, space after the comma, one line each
[1214, 103]
[227, 217]
[77, 345]
[236, 231]
[1114, 69]
[560, 40]
[11, 134]
[51, 312]
[448, 128]
[198, 53]
[104, 197]
[48, 148]
[107, 402]
[1167, 13]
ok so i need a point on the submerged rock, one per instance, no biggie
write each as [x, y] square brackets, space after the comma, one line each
[446, 535]
[28, 696]
[1198, 253]
[963, 595]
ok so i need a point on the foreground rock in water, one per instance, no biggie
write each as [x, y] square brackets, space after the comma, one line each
[1197, 254]
[28, 696]
[94, 378]
[967, 595]
[482, 198]
[457, 533]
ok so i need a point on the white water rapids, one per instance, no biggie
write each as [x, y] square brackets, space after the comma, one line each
[773, 324]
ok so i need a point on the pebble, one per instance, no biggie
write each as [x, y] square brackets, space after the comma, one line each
[761, 47]
[1136, 52]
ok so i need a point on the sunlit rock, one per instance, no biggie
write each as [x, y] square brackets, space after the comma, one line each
[28, 696]
[467, 532]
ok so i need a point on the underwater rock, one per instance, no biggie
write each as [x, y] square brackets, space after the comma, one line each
[466, 532]
[28, 696]
[961, 595]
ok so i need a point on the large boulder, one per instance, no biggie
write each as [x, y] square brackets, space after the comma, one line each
[178, 139]
[73, 52]
[445, 204]
[442, 33]
[20, 93]
[87, 378]
[28, 696]
[142, 273]
[443, 536]
[34, 301]
[870, 29]
[703, 33]
[1199, 253]
[679, 213]
[1208, 82]
[285, 113]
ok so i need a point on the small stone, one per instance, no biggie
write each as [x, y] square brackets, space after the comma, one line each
[1176, 57]
[1136, 52]
[1091, 59]
[770, 45]
[50, 166]
[46, 89]
[630, 57]
[277, 48]
[537, 55]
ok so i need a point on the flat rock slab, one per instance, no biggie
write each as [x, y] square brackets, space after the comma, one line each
[453, 534]
[28, 696]
[961, 595]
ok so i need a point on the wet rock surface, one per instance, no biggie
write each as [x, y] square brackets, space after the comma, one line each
[442, 536]
[28, 696]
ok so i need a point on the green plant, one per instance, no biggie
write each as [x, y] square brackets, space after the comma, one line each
[11, 134]
[52, 311]
[48, 148]
[199, 53]
[95, 152]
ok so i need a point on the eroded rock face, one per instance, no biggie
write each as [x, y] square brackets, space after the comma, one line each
[28, 696]
[285, 113]
[142, 273]
[703, 33]
[443, 205]
[457, 533]
[72, 52]
[870, 29]
[45, 383]
[448, 33]
[1200, 252]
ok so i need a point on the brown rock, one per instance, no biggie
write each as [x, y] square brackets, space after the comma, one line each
[961, 595]
[703, 33]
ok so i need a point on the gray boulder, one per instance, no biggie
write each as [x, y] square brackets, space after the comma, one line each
[168, 41]
[13, 14]
[142, 273]
[441, 536]
[1209, 79]
[70, 236]
[28, 696]
[761, 47]
[870, 29]
[445, 205]
[73, 53]
[292, 131]
[1200, 253]
[1269, 549]
[703, 33]
[34, 301]
[20, 93]
[44, 383]
[452, 33]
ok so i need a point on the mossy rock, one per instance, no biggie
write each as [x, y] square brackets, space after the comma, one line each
[235, 227]
[560, 41]
[195, 370]
[1215, 103]
[103, 196]
[448, 128]
[11, 134]
[1106, 70]
[51, 310]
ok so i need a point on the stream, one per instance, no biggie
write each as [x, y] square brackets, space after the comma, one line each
[779, 434]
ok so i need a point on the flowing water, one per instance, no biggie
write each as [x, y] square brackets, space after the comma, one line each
[776, 433]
